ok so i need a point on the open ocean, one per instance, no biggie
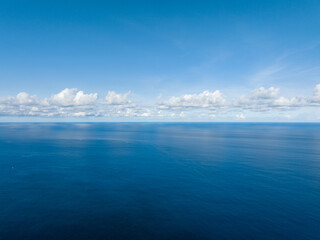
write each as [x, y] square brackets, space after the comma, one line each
[159, 181]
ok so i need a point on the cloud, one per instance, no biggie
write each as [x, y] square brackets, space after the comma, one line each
[67, 103]
[23, 99]
[71, 102]
[118, 105]
[117, 99]
[73, 97]
[266, 73]
[316, 94]
[266, 99]
[240, 116]
[259, 100]
[135, 111]
[206, 99]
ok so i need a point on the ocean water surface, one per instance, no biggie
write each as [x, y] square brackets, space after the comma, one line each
[159, 181]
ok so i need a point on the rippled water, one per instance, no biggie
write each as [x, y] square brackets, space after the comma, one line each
[159, 181]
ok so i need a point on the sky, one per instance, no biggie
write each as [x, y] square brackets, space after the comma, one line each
[240, 60]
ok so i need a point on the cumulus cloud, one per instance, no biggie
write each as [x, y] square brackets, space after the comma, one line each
[240, 116]
[73, 97]
[259, 100]
[316, 94]
[206, 99]
[23, 99]
[71, 102]
[134, 112]
[265, 99]
[119, 105]
[117, 99]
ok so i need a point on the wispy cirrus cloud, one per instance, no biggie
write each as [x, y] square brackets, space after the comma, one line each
[267, 73]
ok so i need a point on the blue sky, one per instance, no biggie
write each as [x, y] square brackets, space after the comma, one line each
[160, 60]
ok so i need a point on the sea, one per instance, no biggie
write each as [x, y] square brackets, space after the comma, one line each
[159, 181]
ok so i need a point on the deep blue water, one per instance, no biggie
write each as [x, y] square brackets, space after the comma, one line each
[159, 181]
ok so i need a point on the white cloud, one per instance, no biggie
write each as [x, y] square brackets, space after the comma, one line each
[182, 114]
[263, 93]
[206, 99]
[132, 112]
[67, 103]
[118, 105]
[70, 97]
[117, 99]
[259, 100]
[85, 99]
[73, 103]
[24, 98]
[266, 99]
[316, 94]
[65, 97]
[240, 116]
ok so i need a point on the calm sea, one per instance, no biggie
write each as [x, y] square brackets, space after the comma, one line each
[159, 181]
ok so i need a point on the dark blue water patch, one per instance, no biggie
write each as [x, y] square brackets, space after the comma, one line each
[159, 181]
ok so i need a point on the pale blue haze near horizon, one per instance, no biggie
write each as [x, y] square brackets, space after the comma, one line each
[158, 50]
